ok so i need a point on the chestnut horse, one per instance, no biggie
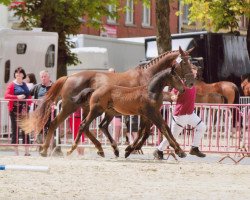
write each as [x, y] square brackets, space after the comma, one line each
[207, 98]
[211, 98]
[68, 86]
[225, 88]
[245, 86]
[143, 100]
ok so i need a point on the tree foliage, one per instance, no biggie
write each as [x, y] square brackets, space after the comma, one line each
[214, 15]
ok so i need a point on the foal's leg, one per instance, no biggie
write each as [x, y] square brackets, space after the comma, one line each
[104, 128]
[145, 136]
[132, 147]
[84, 127]
[157, 119]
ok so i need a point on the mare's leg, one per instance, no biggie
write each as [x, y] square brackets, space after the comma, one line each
[53, 125]
[132, 147]
[104, 128]
[156, 118]
[84, 127]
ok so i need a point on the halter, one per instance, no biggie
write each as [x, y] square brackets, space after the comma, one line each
[180, 61]
[173, 72]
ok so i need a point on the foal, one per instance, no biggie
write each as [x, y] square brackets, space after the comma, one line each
[143, 100]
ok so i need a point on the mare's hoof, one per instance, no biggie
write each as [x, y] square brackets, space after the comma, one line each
[127, 153]
[43, 153]
[182, 154]
[116, 152]
[101, 153]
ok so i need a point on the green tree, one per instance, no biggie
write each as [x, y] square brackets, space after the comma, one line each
[214, 15]
[63, 17]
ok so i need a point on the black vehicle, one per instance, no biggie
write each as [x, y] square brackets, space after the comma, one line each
[223, 57]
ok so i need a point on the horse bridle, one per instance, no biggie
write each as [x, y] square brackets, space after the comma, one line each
[183, 76]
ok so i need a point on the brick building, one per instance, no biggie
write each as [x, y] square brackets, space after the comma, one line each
[138, 21]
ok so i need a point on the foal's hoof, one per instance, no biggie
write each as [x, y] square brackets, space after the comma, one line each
[128, 148]
[127, 153]
[182, 154]
[138, 148]
[101, 153]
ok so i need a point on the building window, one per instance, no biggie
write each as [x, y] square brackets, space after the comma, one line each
[112, 9]
[130, 12]
[11, 16]
[50, 56]
[146, 15]
[21, 48]
[243, 22]
[7, 71]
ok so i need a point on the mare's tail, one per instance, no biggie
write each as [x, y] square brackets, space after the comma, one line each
[36, 120]
[82, 96]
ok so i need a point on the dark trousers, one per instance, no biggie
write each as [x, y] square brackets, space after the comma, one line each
[15, 129]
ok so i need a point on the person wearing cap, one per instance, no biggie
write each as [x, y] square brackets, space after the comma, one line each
[16, 92]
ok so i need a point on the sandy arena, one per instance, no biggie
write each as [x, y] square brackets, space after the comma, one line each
[138, 177]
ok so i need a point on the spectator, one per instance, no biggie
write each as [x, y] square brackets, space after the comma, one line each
[17, 90]
[39, 92]
[30, 80]
[74, 122]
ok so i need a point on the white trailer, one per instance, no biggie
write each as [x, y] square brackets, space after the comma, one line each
[122, 54]
[92, 58]
[34, 51]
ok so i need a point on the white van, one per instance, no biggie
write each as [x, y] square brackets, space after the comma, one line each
[34, 51]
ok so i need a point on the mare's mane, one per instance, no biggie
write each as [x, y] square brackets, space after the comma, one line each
[154, 60]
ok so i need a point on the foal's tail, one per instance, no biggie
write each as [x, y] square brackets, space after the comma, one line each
[37, 119]
[82, 96]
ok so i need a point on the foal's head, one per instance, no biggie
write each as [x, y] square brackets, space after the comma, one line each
[183, 68]
[166, 77]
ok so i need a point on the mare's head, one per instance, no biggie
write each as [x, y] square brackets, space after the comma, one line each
[175, 81]
[183, 67]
